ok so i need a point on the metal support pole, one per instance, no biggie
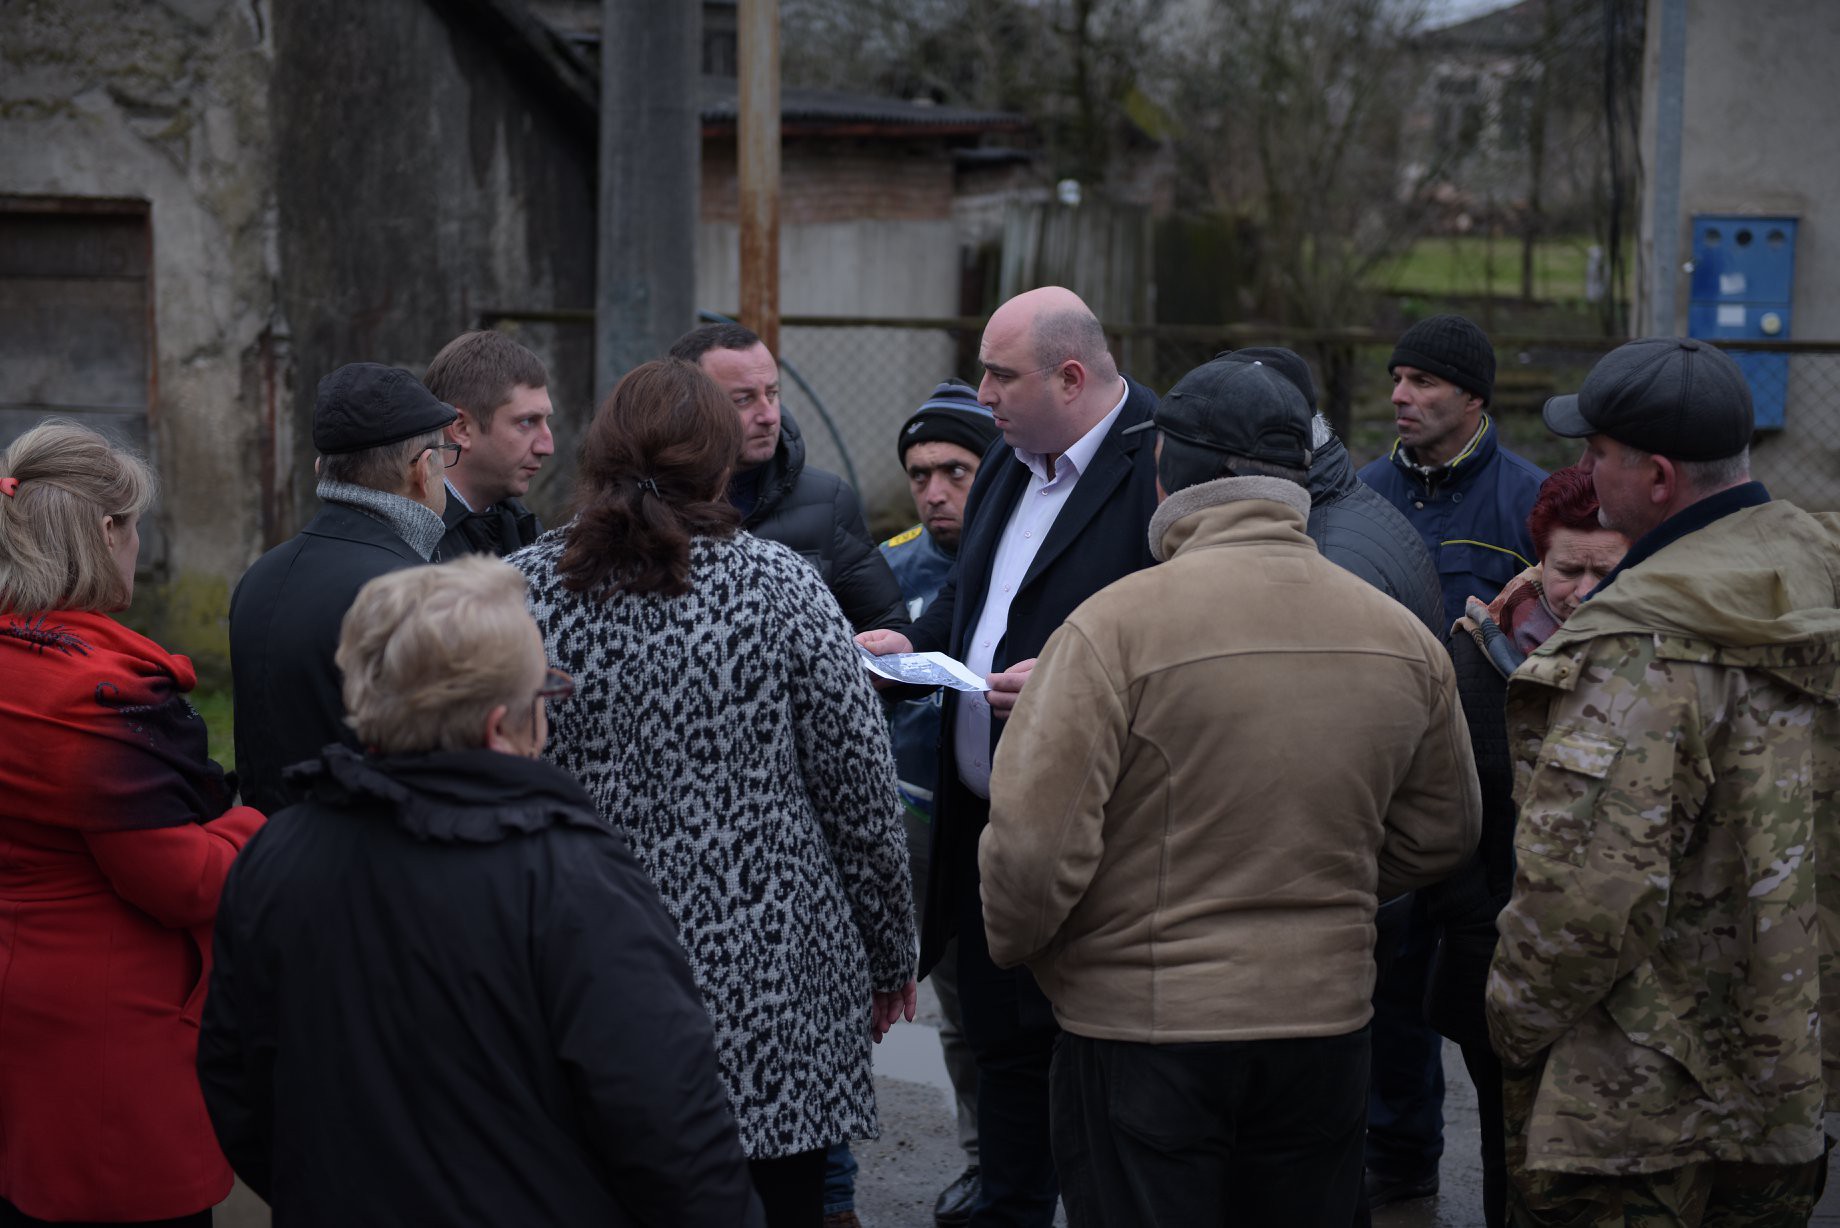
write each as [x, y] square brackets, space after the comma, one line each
[757, 147]
[1664, 211]
[651, 134]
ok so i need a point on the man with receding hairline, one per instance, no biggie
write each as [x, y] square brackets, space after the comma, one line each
[1058, 514]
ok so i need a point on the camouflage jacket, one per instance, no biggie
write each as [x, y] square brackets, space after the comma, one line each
[1671, 942]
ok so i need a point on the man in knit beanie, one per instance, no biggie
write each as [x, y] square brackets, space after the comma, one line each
[941, 448]
[1468, 497]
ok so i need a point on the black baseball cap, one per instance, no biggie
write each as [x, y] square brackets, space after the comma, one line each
[1288, 363]
[1675, 396]
[367, 405]
[1239, 406]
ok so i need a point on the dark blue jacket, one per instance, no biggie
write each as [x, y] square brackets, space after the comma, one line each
[920, 565]
[1472, 514]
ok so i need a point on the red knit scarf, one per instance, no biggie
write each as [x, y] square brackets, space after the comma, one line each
[95, 731]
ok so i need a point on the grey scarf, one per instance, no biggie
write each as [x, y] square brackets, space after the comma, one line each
[409, 520]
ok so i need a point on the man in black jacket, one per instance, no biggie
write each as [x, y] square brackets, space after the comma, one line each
[501, 392]
[781, 498]
[1060, 508]
[1352, 526]
[382, 454]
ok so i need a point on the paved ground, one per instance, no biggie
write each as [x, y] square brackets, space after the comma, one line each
[917, 1155]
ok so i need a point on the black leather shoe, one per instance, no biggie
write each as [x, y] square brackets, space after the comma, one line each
[955, 1201]
[1382, 1189]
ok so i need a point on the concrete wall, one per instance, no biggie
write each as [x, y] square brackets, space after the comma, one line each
[420, 181]
[167, 103]
[1758, 137]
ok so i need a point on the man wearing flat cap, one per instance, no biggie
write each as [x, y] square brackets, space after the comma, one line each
[382, 454]
[1663, 993]
[1186, 868]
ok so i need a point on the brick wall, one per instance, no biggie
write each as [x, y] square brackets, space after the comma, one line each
[831, 180]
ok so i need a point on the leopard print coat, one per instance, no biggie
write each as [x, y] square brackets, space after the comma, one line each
[730, 733]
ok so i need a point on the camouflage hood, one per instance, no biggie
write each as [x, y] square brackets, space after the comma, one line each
[1758, 589]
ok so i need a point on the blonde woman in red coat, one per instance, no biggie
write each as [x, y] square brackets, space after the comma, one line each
[115, 836]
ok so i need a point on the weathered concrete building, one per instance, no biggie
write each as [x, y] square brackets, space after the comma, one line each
[207, 205]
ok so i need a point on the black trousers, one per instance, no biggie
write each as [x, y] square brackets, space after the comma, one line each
[791, 1189]
[1010, 1027]
[1256, 1133]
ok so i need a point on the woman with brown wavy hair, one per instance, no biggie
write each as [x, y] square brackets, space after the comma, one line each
[723, 723]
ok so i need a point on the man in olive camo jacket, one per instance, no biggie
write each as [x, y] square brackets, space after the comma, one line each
[1665, 983]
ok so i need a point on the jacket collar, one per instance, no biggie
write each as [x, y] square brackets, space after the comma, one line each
[780, 472]
[1687, 520]
[1332, 474]
[472, 796]
[1474, 457]
[413, 523]
[342, 523]
[1178, 520]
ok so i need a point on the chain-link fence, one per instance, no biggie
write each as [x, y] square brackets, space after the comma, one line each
[869, 375]
[851, 381]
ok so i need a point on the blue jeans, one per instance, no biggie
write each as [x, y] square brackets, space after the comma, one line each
[839, 1179]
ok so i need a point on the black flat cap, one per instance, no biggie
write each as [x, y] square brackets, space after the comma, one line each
[1239, 406]
[367, 405]
[1674, 396]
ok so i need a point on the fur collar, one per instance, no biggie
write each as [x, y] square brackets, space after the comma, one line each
[1192, 499]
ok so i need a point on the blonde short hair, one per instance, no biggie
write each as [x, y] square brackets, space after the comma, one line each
[428, 652]
[53, 555]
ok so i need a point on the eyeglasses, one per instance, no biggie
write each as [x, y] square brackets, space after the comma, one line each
[555, 685]
[450, 453]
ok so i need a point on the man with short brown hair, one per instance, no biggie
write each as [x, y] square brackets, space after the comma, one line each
[500, 389]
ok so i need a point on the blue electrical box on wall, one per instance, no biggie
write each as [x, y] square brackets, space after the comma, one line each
[1743, 278]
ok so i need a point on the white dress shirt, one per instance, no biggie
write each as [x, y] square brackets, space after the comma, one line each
[1016, 548]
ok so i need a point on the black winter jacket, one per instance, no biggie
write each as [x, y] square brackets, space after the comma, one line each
[817, 515]
[497, 530]
[1359, 531]
[445, 993]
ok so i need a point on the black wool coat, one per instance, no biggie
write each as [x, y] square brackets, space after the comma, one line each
[816, 515]
[445, 993]
[1101, 534]
[284, 630]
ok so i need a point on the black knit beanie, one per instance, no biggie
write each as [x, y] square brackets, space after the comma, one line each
[1451, 348]
[951, 415]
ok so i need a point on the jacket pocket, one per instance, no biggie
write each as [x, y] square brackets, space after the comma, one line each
[1559, 813]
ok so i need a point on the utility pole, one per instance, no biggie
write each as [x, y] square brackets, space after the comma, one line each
[651, 135]
[757, 147]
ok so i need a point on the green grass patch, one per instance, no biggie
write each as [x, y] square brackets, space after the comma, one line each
[214, 707]
[1464, 265]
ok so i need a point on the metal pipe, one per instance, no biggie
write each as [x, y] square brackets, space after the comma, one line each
[757, 150]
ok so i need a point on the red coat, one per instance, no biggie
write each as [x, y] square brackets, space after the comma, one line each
[105, 940]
